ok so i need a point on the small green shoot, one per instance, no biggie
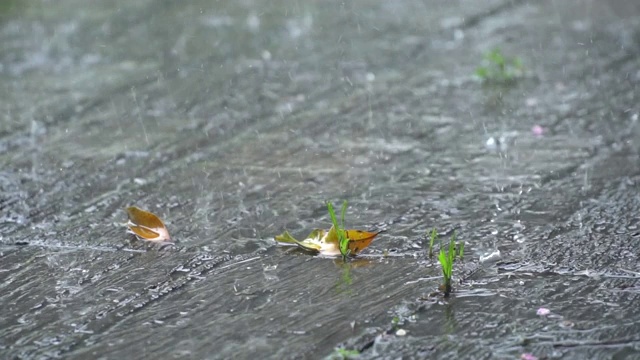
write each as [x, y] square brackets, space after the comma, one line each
[499, 69]
[432, 239]
[395, 322]
[344, 354]
[343, 241]
[447, 258]
[446, 261]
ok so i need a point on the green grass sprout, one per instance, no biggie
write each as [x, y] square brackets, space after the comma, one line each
[395, 322]
[446, 258]
[498, 68]
[446, 261]
[432, 239]
[344, 354]
[343, 241]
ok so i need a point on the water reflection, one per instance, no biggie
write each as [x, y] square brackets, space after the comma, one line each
[450, 322]
[344, 282]
[343, 285]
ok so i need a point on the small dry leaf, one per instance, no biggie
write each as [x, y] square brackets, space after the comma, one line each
[146, 225]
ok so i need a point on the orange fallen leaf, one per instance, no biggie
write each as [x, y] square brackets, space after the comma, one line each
[146, 225]
[359, 239]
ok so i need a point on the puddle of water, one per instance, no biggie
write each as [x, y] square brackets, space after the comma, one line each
[497, 319]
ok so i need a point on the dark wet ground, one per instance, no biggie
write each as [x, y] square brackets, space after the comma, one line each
[236, 120]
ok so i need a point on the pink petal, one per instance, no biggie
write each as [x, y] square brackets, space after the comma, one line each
[543, 312]
[528, 356]
[537, 130]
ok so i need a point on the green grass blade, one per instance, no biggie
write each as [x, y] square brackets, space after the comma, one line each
[344, 210]
[332, 214]
[433, 236]
[442, 258]
[343, 241]
[452, 248]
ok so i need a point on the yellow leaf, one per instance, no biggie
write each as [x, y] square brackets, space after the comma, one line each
[359, 239]
[146, 225]
[309, 244]
[326, 242]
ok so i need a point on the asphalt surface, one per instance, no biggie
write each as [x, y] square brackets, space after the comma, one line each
[234, 121]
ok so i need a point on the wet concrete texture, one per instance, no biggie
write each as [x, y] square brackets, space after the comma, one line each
[236, 120]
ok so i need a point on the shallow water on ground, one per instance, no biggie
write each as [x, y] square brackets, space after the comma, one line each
[236, 121]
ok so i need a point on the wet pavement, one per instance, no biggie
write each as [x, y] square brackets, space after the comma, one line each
[234, 121]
